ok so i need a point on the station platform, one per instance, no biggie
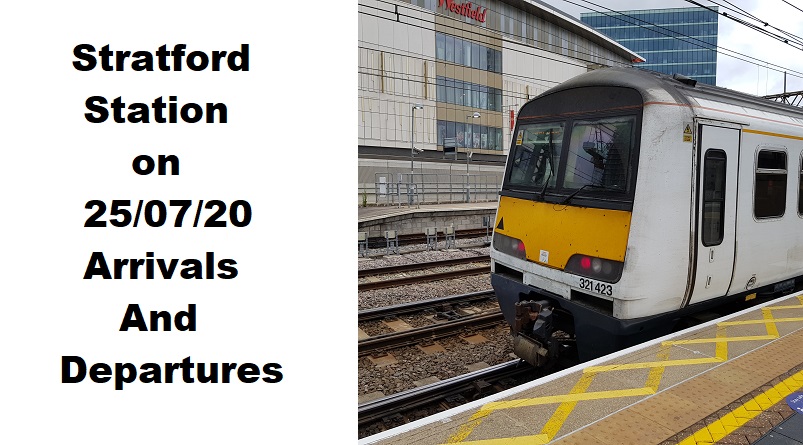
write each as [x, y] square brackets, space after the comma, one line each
[414, 219]
[724, 382]
[373, 213]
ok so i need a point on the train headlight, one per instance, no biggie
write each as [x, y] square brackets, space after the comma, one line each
[593, 267]
[509, 245]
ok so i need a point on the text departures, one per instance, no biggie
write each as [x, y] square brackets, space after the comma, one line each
[178, 213]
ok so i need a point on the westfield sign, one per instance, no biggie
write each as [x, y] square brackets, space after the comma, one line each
[466, 9]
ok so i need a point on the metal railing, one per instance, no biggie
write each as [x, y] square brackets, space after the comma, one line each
[434, 188]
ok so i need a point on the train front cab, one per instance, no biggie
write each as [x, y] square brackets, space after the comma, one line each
[563, 220]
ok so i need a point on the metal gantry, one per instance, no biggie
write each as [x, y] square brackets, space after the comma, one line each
[794, 98]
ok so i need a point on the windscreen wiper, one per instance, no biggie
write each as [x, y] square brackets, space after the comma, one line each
[569, 198]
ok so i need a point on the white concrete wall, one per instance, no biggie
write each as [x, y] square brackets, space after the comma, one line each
[396, 71]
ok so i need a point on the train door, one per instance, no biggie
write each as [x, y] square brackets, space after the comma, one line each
[716, 211]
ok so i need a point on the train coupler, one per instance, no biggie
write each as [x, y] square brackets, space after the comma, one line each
[532, 333]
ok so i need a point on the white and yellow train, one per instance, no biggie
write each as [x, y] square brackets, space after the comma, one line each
[634, 202]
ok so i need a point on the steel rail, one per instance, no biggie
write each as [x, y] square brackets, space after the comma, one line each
[432, 332]
[375, 410]
[418, 306]
[370, 285]
[421, 266]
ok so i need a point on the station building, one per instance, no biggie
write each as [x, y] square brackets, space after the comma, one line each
[441, 81]
[677, 40]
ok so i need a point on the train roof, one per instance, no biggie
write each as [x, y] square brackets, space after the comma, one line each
[658, 87]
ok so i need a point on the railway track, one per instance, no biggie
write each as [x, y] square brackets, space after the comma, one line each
[455, 323]
[436, 304]
[421, 266]
[436, 331]
[407, 406]
[395, 282]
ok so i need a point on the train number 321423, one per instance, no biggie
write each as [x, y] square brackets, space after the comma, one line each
[594, 286]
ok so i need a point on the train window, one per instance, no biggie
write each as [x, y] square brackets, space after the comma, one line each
[800, 188]
[713, 197]
[536, 154]
[599, 153]
[770, 191]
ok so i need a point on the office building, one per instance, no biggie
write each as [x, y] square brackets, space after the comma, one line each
[451, 76]
[681, 40]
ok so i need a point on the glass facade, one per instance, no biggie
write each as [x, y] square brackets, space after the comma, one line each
[468, 135]
[456, 69]
[467, 94]
[466, 53]
[534, 30]
[681, 41]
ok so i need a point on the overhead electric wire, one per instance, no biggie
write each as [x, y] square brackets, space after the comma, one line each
[750, 16]
[801, 10]
[512, 38]
[751, 25]
[424, 59]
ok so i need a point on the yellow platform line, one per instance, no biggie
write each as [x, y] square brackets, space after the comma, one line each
[721, 350]
[719, 340]
[774, 320]
[741, 415]
[642, 365]
[772, 329]
[546, 400]
[465, 429]
[657, 373]
[557, 420]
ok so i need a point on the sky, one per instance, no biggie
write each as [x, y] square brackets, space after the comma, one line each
[755, 78]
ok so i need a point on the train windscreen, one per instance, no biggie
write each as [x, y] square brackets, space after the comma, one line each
[592, 161]
[599, 151]
[537, 151]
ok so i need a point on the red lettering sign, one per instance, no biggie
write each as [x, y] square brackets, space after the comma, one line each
[465, 9]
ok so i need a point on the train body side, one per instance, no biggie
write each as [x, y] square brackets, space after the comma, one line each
[769, 250]
[658, 237]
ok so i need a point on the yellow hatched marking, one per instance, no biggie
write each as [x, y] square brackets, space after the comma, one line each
[466, 428]
[722, 347]
[719, 340]
[691, 361]
[741, 415]
[654, 378]
[774, 320]
[539, 439]
[555, 422]
[771, 328]
[546, 400]
[568, 402]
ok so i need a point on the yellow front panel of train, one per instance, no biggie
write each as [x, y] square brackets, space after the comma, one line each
[554, 232]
